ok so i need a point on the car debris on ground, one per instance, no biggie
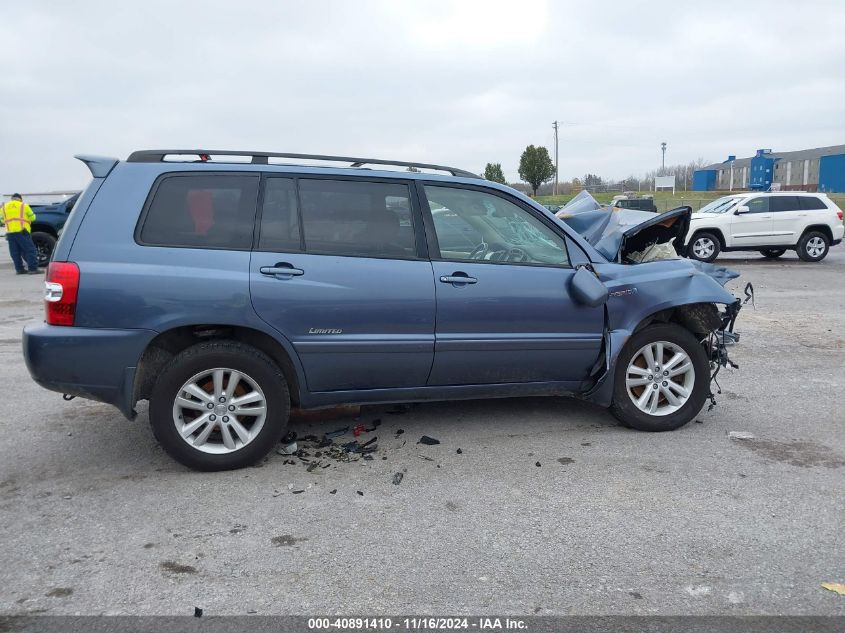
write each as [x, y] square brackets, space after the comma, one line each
[741, 435]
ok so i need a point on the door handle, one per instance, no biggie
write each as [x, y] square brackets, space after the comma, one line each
[281, 269]
[458, 278]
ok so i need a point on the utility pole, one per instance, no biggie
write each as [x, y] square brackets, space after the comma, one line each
[554, 125]
[663, 162]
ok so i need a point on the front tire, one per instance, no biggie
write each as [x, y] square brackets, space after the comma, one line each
[704, 246]
[813, 246]
[661, 380]
[44, 245]
[772, 253]
[219, 405]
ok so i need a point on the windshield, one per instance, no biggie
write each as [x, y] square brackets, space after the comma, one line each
[721, 205]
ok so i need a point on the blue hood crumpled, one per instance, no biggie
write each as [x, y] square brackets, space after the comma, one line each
[617, 233]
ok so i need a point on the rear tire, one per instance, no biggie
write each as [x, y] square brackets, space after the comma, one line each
[693, 377]
[219, 405]
[772, 253]
[704, 246]
[813, 246]
[44, 245]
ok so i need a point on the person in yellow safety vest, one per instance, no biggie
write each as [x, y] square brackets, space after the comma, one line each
[18, 218]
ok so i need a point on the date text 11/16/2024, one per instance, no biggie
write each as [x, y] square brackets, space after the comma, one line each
[418, 623]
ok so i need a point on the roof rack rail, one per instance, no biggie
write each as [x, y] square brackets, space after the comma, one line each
[261, 158]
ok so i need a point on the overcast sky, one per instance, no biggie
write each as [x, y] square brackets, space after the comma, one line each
[459, 83]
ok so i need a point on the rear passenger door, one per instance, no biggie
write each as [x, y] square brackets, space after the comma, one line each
[787, 219]
[338, 271]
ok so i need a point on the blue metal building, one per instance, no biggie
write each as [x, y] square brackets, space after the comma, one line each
[819, 169]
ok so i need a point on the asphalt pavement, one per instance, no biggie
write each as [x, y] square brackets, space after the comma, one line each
[549, 507]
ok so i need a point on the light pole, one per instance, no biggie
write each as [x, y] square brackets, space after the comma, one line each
[554, 125]
[663, 162]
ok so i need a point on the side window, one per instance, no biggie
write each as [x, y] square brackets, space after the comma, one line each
[357, 218]
[783, 203]
[758, 205]
[811, 203]
[474, 225]
[279, 216]
[202, 211]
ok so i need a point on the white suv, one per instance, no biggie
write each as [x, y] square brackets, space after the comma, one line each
[771, 223]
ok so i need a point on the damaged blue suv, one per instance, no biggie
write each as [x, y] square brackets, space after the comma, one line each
[226, 287]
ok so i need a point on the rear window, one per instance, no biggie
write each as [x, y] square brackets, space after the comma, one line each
[811, 203]
[357, 218]
[202, 211]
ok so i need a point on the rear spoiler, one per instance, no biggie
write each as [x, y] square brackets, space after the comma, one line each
[100, 166]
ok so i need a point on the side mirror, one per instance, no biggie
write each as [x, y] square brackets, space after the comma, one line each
[587, 289]
[743, 209]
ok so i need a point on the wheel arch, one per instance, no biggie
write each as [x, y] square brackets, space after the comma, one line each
[161, 349]
[717, 232]
[44, 228]
[821, 228]
[700, 318]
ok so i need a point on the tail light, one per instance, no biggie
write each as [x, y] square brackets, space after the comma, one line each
[839, 214]
[62, 286]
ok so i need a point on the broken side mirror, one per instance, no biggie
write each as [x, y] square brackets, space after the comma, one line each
[743, 209]
[587, 289]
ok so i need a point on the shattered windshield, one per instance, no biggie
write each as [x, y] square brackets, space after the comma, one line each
[721, 205]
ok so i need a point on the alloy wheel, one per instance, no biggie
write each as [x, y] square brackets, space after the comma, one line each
[660, 378]
[219, 410]
[815, 247]
[703, 247]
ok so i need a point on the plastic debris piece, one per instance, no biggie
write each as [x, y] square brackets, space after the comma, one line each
[360, 493]
[297, 492]
[835, 587]
[538, 464]
[351, 447]
[333, 492]
[460, 452]
[428, 441]
[359, 428]
[397, 479]
[368, 457]
[197, 612]
[369, 441]
[741, 435]
[426, 458]
[312, 467]
[565, 460]
[337, 433]
[288, 449]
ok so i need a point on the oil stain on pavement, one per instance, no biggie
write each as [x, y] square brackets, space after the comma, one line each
[800, 453]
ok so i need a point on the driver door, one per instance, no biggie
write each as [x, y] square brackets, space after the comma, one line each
[752, 227]
[503, 309]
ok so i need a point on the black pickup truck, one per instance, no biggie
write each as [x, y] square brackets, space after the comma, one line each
[49, 221]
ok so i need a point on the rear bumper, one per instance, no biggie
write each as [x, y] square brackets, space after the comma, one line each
[93, 363]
